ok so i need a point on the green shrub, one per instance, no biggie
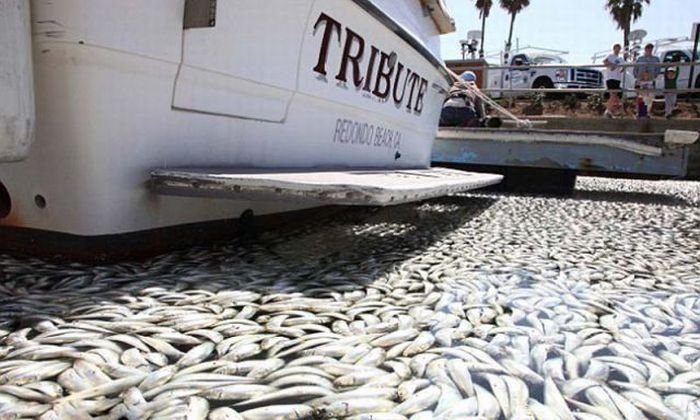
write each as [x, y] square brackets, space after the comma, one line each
[536, 107]
[571, 102]
[596, 103]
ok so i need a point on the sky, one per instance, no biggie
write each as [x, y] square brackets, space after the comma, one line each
[581, 27]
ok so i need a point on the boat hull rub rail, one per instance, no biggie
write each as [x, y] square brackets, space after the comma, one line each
[339, 187]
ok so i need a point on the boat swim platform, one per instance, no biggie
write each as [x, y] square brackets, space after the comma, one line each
[598, 150]
[352, 187]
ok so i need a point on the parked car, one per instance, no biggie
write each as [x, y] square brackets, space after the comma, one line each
[526, 73]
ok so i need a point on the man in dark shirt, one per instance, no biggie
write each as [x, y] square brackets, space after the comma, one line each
[646, 75]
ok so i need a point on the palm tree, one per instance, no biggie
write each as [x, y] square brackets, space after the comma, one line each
[513, 7]
[624, 13]
[484, 7]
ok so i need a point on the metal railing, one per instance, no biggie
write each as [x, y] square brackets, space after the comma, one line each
[567, 67]
[591, 90]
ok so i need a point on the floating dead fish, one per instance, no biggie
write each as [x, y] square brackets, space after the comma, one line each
[481, 305]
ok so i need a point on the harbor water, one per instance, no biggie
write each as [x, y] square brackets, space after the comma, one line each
[481, 305]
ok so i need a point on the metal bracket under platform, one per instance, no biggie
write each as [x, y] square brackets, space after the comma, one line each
[338, 187]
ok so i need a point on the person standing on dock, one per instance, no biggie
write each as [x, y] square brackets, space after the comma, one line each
[670, 83]
[613, 81]
[646, 74]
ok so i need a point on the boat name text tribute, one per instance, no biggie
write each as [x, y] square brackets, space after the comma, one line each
[372, 70]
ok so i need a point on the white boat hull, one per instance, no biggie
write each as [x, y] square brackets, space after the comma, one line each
[121, 89]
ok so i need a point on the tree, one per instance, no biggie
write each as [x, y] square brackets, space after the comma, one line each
[484, 7]
[513, 7]
[624, 13]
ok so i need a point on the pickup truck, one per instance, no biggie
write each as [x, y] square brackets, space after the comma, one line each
[526, 74]
[680, 55]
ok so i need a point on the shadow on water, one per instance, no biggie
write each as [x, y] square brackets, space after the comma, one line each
[317, 259]
[609, 196]
[636, 197]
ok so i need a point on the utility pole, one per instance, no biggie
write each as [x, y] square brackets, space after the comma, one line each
[696, 37]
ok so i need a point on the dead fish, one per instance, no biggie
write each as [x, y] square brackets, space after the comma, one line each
[410, 387]
[34, 372]
[396, 337]
[157, 378]
[279, 412]
[378, 416]
[354, 406]
[109, 388]
[196, 355]
[197, 408]
[295, 393]
[420, 401]
[555, 400]
[224, 413]
[420, 344]
[237, 392]
[302, 379]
